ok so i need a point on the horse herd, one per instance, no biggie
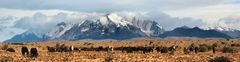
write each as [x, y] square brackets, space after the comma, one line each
[25, 52]
[147, 49]
[125, 49]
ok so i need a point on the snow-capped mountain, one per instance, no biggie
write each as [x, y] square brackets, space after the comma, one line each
[234, 33]
[110, 26]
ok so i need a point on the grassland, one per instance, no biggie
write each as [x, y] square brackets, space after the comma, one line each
[118, 56]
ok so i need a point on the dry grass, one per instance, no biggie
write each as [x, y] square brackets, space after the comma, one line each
[118, 56]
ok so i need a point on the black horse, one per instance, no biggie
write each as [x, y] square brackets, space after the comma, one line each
[25, 51]
[34, 52]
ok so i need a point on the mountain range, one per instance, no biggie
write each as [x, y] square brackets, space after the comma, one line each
[194, 32]
[112, 26]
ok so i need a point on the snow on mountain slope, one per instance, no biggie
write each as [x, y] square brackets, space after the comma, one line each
[151, 28]
[103, 20]
[117, 19]
[220, 28]
[59, 30]
[234, 33]
[109, 26]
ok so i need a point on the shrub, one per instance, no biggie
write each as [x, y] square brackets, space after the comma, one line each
[87, 43]
[215, 45]
[5, 46]
[203, 49]
[223, 43]
[235, 45]
[193, 45]
[150, 43]
[17, 43]
[220, 59]
[57, 45]
[108, 59]
[228, 50]
[208, 47]
[6, 59]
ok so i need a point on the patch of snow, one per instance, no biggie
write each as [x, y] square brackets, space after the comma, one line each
[159, 26]
[81, 23]
[103, 20]
[117, 20]
[102, 33]
[220, 28]
[68, 27]
[84, 30]
[148, 32]
[59, 31]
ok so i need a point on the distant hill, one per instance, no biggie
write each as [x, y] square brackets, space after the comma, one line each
[194, 32]
[26, 37]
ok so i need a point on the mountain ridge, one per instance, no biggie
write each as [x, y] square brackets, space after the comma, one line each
[194, 32]
[112, 26]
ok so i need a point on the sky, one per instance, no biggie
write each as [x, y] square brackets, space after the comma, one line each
[18, 16]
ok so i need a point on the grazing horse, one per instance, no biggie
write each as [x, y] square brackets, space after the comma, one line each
[186, 50]
[127, 49]
[110, 48]
[34, 52]
[51, 49]
[76, 49]
[196, 49]
[147, 49]
[172, 49]
[71, 48]
[25, 51]
[214, 49]
[10, 50]
[164, 50]
[158, 49]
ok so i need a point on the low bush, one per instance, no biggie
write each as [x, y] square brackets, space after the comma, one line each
[108, 59]
[228, 50]
[220, 59]
[235, 45]
[203, 49]
[4, 47]
[6, 59]
[87, 43]
[215, 45]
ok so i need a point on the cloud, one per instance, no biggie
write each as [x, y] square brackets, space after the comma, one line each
[169, 22]
[42, 23]
[209, 14]
[6, 29]
[36, 22]
[18, 16]
[230, 21]
[108, 6]
[166, 21]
